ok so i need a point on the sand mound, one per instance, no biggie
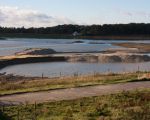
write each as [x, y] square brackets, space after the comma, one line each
[83, 58]
[78, 41]
[110, 58]
[37, 51]
[135, 58]
[125, 58]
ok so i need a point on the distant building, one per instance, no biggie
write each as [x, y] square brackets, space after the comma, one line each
[76, 34]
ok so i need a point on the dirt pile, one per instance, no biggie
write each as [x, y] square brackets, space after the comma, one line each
[110, 58]
[125, 58]
[83, 58]
[135, 58]
[36, 51]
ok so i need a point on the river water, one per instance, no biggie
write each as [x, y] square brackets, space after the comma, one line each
[11, 46]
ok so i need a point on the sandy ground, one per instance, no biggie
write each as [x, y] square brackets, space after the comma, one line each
[141, 47]
[70, 94]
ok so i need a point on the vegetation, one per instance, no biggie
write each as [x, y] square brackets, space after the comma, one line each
[3, 116]
[133, 105]
[15, 84]
[66, 31]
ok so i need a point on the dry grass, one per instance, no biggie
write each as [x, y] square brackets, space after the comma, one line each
[23, 84]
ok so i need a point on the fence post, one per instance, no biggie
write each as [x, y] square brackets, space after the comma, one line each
[3, 108]
[108, 71]
[138, 69]
[60, 74]
[42, 75]
[35, 111]
[18, 114]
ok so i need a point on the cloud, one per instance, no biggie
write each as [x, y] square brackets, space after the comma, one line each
[16, 17]
[133, 13]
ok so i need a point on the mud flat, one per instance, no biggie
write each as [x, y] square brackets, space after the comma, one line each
[142, 47]
[110, 58]
[24, 59]
[32, 55]
[37, 51]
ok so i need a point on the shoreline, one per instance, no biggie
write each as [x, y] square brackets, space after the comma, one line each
[62, 36]
[5, 62]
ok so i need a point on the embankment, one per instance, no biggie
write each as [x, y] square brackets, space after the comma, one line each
[119, 57]
[110, 58]
[24, 60]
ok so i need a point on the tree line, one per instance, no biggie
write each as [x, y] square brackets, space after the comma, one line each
[92, 30]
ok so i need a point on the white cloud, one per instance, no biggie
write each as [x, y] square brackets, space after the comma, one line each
[133, 13]
[16, 17]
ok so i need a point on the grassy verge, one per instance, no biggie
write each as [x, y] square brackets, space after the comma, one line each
[23, 85]
[133, 105]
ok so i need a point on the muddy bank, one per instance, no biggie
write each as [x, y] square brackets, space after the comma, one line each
[37, 51]
[123, 58]
[110, 58]
[30, 59]
[83, 58]
[91, 58]
[141, 47]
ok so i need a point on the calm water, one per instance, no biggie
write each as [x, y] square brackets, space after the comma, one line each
[63, 68]
[10, 46]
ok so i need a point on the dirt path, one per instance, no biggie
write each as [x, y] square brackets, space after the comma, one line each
[73, 93]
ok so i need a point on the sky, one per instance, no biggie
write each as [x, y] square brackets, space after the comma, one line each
[46, 13]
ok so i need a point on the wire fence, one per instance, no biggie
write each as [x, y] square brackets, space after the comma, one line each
[80, 73]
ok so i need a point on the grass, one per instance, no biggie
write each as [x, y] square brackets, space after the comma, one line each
[133, 105]
[3, 116]
[23, 85]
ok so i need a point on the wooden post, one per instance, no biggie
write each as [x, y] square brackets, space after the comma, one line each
[138, 69]
[35, 111]
[3, 108]
[42, 75]
[108, 71]
[35, 106]
[18, 114]
[60, 74]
